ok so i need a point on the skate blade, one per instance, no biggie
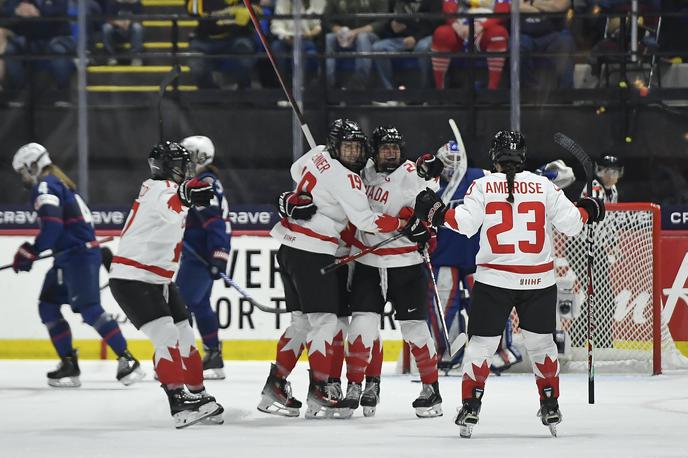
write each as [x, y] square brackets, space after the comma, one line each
[553, 430]
[429, 412]
[315, 411]
[269, 406]
[214, 374]
[466, 431]
[369, 411]
[187, 418]
[132, 378]
[215, 419]
[342, 413]
[65, 382]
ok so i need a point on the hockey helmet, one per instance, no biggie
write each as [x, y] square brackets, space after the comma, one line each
[170, 161]
[29, 161]
[609, 164]
[454, 159]
[346, 130]
[200, 148]
[508, 146]
[387, 135]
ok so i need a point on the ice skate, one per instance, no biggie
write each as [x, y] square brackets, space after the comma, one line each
[549, 411]
[334, 385]
[188, 409]
[347, 406]
[467, 416]
[128, 369]
[429, 402]
[67, 373]
[213, 365]
[215, 419]
[371, 396]
[319, 402]
[277, 398]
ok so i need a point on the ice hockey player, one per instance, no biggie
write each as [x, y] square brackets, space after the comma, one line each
[395, 273]
[608, 171]
[453, 259]
[514, 210]
[66, 226]
[208, 232]
[327, 175]
[141, 279]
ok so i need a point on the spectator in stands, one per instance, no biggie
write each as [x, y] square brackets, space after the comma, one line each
[407, 34]
[550, 35]
[491, 35]
[229, 32]
[283, 29]
[124, 29]
[39, 37]
[352, 34]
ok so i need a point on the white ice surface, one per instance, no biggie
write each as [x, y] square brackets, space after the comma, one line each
[635, 416]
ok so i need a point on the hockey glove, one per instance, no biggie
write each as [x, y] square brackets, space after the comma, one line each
[218, 264]
[429, 207]
[417, 231]
[296, 206]
[429, 166]
[24, 258]
[558, 173]
[195, 193]
[594, 207]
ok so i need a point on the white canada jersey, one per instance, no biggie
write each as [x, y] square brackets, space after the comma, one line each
[609, 196]
[389, 193]
[515, 239]
[151, 240]
[340, 197]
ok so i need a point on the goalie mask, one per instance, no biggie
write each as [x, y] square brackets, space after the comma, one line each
[508, 146]
[454, 160]
[170, 161]
[387, 149]
[201, 150]
[29, 161]
[347, 143]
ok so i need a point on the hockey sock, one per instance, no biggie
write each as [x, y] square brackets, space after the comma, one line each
[167, 361]
[363, 332]
[319, 343]
[108, 328]
[476, 365]
[495, 39]
[543, 353]
[444, 39]
[58, 328]
[291, 344]
[417, 334]
[206, 322]
[338, 347]
[375, 367]
[192, 365]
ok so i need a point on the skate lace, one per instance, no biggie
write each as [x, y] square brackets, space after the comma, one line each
[371, 389]
[426, 392]
[353, 391]
[287, 389]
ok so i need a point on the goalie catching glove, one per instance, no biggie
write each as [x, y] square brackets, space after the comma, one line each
[429, 207]
[195, 193]
[429, 166]
[296, 206]
[558, 173]
[594, 208]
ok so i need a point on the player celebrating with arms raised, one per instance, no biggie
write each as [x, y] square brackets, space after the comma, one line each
[514, 210]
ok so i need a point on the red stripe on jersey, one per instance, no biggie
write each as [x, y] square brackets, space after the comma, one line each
[210, 221]
[308, 232]
[538, 269]
[584, 214]
[450, 219]
[154, 269]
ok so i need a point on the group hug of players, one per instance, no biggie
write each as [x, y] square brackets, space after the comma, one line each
[352, 193]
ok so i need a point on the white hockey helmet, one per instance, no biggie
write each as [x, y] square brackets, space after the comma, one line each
[453, 158]
[200, 148]
[30, 160]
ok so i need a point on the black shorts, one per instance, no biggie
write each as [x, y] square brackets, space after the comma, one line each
[144, 302]
[305, 288]
[407, 289]
[491, 306]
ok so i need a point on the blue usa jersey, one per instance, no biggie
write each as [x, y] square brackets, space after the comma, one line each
[208, 229]
[454, 249]
[65, 220]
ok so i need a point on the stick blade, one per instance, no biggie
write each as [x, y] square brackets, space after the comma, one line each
[572, 147]
[458, 343]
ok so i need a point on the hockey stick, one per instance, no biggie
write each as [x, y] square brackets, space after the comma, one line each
[347, 259]
[229, 282]
[168, 79]
[87, 245]
[287, 92]
[461, 339]
[457, 134]
[575, 149]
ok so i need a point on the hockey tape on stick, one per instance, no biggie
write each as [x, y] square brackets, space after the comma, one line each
[233, 284]
[458, 343]
[168, 79]
[575, 149]
[87, 245]
[347, 259]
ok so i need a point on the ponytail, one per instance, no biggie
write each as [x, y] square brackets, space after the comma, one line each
[55, 170]
[509, 169]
